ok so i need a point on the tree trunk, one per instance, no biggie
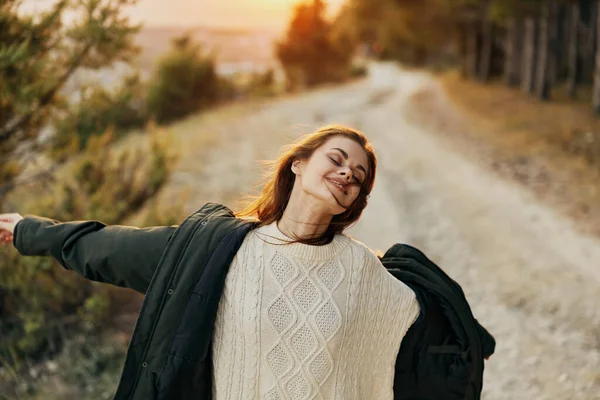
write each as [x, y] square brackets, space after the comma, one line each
[594, 35]
[546, 61]
[487, 44]
[557, 72]
[529, 53]
[588, 40]
[420, 55]
[461, 48]
[473, 47]
[573, 50]
[541, 82]
[513, 52]
[596, 91]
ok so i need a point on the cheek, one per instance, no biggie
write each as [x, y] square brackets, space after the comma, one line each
[313, 177]
[321, 167]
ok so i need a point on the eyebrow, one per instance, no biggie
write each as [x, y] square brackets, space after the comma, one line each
[346, 157]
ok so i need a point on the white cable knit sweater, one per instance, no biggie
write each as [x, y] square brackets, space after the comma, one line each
[308, 322]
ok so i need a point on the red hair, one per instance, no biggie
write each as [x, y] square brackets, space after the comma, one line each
[269, 206]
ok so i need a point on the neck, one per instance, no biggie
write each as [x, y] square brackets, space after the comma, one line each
[302, 221]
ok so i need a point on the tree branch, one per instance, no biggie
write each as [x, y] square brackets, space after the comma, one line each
[46, 174]
[46, 98]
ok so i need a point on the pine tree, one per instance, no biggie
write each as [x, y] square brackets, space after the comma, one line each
[308, 53]
[39, 53]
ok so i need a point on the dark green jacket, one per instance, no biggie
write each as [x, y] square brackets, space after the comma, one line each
[180, 269]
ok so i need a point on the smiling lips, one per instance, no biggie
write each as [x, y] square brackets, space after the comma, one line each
[340, 184]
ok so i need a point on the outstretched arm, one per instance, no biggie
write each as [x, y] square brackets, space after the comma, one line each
[121, 255]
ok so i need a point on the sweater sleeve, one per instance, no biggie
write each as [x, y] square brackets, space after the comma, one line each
[120, 255]
[413, 308]
[409, 304]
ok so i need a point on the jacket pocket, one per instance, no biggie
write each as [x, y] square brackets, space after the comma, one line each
[442, 372]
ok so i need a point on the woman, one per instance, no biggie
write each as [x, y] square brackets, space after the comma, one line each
[273, 302]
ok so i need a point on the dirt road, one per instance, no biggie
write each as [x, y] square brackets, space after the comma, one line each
[530, 278]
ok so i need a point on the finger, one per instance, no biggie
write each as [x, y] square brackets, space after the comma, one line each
[6, 240]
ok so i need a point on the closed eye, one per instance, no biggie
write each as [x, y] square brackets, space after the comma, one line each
[334, 161]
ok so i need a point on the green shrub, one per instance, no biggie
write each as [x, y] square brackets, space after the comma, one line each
[262, 84]
[358, 70]
[40, 299]
[88, 368]
[184, 81]
[98, 110]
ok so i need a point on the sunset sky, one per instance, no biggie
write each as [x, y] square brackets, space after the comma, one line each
[227, 13]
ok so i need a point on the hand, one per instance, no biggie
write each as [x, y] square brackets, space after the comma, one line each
[7, 227]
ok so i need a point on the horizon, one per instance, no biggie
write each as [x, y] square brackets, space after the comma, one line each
[272, 15]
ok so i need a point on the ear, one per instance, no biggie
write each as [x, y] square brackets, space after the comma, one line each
[296, 167]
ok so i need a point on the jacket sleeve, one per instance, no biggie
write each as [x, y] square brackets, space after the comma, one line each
[120, 255]
[487, 340]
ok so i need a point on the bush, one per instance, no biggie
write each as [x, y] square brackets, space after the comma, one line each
[184, 82]
[88, 368]
[261, 84]
[98, 110]
[358, 70]
[40, 301]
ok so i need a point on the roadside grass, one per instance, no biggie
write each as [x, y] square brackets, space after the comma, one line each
[553, 147]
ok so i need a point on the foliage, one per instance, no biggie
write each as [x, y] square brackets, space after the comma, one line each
[309, 53]
[357, 71]
[408, 30]
[97, 110]
[397, 29]
[184, 81]
[261, 84]
[87, 368]
[39, 298]
[39, 55]
[41, 305]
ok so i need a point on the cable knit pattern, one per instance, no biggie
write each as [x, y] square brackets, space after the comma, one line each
[300, 322]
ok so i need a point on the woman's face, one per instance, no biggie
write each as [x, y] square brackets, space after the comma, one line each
[334, 173]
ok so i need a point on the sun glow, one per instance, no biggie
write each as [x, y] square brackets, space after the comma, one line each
[224, 13]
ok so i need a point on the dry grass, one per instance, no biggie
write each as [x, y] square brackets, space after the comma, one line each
[552, 148]
[517, 119]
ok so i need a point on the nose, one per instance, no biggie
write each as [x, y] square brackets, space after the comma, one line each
[346, 173]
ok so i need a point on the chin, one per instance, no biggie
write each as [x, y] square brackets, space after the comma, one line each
[338, 213]
[328, 199]
[334, 207]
